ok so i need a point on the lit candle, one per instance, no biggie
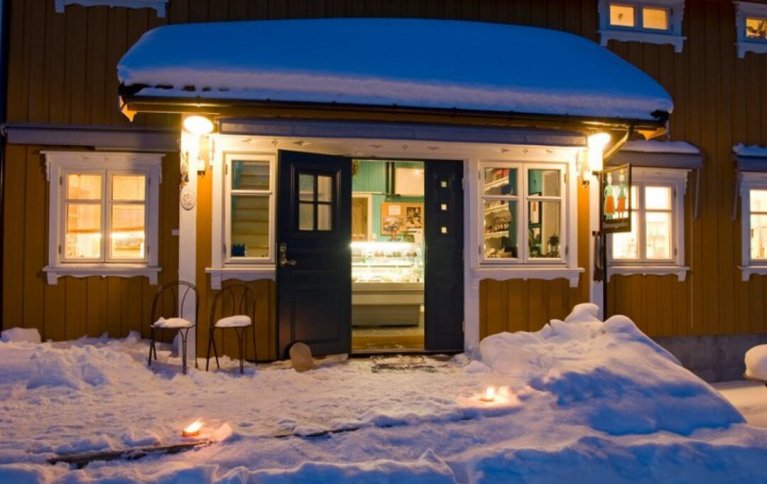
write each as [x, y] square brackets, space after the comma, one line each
[193, 429]
[489, 394]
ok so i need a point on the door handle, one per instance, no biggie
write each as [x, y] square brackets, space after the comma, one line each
[283, 260]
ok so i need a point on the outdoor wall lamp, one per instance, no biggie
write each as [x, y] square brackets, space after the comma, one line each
[594, 156]
[196, 141]
[199, 125]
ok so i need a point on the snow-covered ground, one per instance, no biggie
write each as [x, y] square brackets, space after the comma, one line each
[581, 400]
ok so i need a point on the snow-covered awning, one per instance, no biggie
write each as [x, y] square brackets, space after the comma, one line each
[750, 158]
[412, 63]
[659, 154]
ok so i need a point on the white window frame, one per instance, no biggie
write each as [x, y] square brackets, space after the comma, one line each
[672, 36]
[744, 10]
[61, 163]
[223, 266]
[749, 181]
[676, 179]
[158, 5]
[525, 267]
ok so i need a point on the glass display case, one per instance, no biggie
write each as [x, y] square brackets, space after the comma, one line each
[390, 262]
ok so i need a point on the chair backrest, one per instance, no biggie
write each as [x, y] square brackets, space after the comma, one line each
[171, 298]
[234, 299]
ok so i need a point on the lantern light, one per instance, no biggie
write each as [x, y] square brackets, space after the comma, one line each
[489, 395]
[597, 143]
[193, 429]
[199, 125]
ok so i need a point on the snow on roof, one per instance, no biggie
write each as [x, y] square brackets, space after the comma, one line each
[750, 150]
[677, 147]
[404, 62]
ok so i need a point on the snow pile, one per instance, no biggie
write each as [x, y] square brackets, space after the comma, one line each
[756, 363]
[583, 398]
[750, 150]
[19, 335]
[403, 62]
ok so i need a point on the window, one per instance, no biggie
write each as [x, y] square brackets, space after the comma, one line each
[158, 5]
[655, 244]
[523, 207]
[243, 220]
[753, 189]
[651, 21]
[103, 214]
[751, 26]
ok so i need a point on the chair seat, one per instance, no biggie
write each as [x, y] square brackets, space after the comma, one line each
[238, 321]
[172, 323]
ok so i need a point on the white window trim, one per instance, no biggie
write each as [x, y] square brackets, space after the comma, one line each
[223, 267]
[749, 181]
[743, 44]
[673, 36]
[677, 178]
[158, 5]
[505, 269]
[58, 163]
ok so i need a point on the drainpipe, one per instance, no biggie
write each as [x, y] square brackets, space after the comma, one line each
[5, 24]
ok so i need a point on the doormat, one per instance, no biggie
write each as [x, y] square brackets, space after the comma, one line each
[406, 364]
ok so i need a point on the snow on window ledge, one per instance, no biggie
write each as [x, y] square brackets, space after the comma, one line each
[747, 271]
[648, 270]
[241, 273]
[547, 273]
[104, 270]
[158, 5]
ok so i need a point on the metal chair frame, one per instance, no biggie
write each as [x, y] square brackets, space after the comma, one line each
[179, 291]
[243, 301]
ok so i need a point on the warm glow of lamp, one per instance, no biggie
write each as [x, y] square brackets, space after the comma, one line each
[597, 143]
[489, 395]
[193, 429]
[198, 125]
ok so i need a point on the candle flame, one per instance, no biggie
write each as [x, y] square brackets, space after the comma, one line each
[193, 429]
[489, 395]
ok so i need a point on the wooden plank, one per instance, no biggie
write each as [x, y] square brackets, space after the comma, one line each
[238, 9]
[14, 213]
[75, 309]
[35, 229]
[516, 297]
[218, 11]
[493, 294]
[96, 59]
[55, 64]
[17, 68]
[76, 65]
[536, 300]
[94, 325]
[35, 19]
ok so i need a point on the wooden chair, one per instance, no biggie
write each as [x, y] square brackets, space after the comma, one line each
[234, 307]
[168, 314]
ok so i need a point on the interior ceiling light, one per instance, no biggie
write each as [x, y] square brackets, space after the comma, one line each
[198, 125]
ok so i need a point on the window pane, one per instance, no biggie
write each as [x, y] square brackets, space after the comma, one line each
[127, 237]
[544, 236]
[128, 187]
[658, 235]
[84, 187]
[543, 182]
[306, 216]
[324, 188]
[758, 201]
[250, 226]
[305, 187]
[500, 181]
[756, 28]
[759, 236]
[83, 231]
[324, 217]
[500, 228]
[622, 15]
[657, 198]
[625, 244]
[655, 18]
[250, 175]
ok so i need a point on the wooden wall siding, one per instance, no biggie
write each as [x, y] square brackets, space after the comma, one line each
[74, 307]
[62, 70]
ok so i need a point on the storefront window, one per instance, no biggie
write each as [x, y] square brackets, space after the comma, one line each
[758, 220]
[527, 227]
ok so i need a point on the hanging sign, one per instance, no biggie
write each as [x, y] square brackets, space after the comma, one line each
[616, 199]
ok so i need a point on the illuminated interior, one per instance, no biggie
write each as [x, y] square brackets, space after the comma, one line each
[654, 18]
[758, 205]
[653, 225]
[249, 230]
[622, 15]
[756, 28]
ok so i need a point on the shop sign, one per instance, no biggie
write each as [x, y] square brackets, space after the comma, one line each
[616, 199]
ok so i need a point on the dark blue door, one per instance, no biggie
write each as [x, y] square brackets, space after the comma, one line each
[314, 252]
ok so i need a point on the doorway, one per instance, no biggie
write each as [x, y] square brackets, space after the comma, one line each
[380, 264]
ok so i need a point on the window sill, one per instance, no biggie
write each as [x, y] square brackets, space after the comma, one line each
[755, 47]
[747, 271]
[648, 270]
[242, 273]
[102, 270]
[642, 36]
[547, 273]
[158, 5]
